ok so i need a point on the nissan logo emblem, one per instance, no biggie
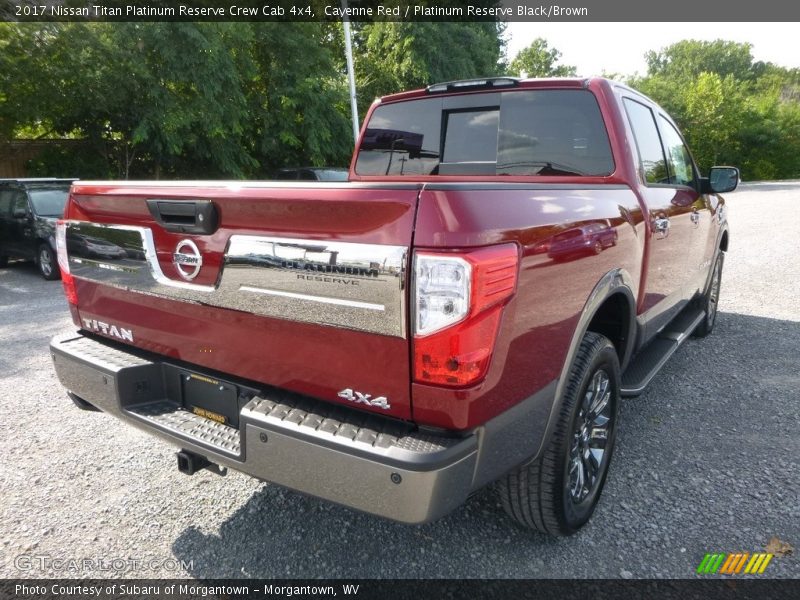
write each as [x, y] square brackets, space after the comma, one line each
[187, 259]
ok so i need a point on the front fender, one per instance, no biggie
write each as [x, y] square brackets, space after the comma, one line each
[45, 232]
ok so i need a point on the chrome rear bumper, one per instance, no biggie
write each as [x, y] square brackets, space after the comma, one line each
[370, 463]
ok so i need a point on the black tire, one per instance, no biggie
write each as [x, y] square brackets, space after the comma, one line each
[81, 403]
[709, 301]
[47, 262]
[545, 495]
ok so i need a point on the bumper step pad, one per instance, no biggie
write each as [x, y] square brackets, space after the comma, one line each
[339, 425]
[171, 417]
[292, 414]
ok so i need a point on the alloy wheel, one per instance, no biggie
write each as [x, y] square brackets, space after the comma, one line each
[591, 432]
[45, 262]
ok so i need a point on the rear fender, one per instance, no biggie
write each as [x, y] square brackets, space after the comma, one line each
[617, 281]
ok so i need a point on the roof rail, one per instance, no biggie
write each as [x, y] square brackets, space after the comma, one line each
[36, 179]
[466, 84]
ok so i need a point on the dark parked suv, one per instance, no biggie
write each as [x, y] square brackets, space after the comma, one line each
[28, 212]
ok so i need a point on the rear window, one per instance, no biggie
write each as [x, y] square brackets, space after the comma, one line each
[531, 132]
[49, 202]
[567, 235]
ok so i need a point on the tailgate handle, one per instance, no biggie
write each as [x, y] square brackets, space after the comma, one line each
[185, 216]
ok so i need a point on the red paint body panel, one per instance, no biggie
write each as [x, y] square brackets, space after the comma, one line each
[309, 359]
[540, 320]
[317, 360]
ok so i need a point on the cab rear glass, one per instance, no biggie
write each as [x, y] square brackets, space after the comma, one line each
[525, 132]
[49, 202]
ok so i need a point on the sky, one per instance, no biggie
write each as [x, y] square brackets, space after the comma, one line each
[620, 47]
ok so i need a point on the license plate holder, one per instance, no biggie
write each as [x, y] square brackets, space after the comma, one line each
[210, 398]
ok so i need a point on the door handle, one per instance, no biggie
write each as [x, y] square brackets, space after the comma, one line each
[661, 225]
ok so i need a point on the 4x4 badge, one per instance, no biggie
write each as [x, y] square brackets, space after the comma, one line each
[359, 398]
[187, 259]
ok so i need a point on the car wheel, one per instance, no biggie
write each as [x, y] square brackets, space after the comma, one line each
[47, 262]
[710, 300]
[597, 248]
[558, 492]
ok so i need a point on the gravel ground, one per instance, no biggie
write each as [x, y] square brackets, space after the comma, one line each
[708, 460]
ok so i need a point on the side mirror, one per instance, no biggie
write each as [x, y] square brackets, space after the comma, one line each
[20, 213]
[721, 180]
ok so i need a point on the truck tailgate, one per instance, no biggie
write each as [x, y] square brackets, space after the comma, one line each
[298, 286]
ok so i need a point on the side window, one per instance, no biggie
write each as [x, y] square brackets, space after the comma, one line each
[5, 202]
[19, 202]
[681, 168]
[651, 154]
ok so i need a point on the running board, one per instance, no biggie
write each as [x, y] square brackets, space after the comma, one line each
[648, 362]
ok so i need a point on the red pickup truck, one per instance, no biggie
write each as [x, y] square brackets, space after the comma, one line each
[508, 258]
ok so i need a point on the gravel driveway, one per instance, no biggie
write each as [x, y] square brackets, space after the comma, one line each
[708, 460]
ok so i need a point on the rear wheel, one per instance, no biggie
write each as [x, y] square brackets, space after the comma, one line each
[47, 262]
[710, 300]
[558, 492]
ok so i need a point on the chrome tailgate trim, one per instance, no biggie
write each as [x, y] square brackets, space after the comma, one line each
[340, 284]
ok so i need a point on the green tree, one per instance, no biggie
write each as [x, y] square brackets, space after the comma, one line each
[397, 56]
[158, 93]
[178, 99]
[713, 112]
[188, 81]
[770, 134]
[689, 58]
[539, 60]
[216, 99]
[732, 109]
[299, 98]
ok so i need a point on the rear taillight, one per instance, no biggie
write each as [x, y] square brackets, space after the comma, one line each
[442, 285]
[458, 302]
[63, 262]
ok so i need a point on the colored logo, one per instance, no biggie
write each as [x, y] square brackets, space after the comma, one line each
[741, 563]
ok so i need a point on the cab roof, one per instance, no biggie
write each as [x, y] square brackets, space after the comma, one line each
[484, 84]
